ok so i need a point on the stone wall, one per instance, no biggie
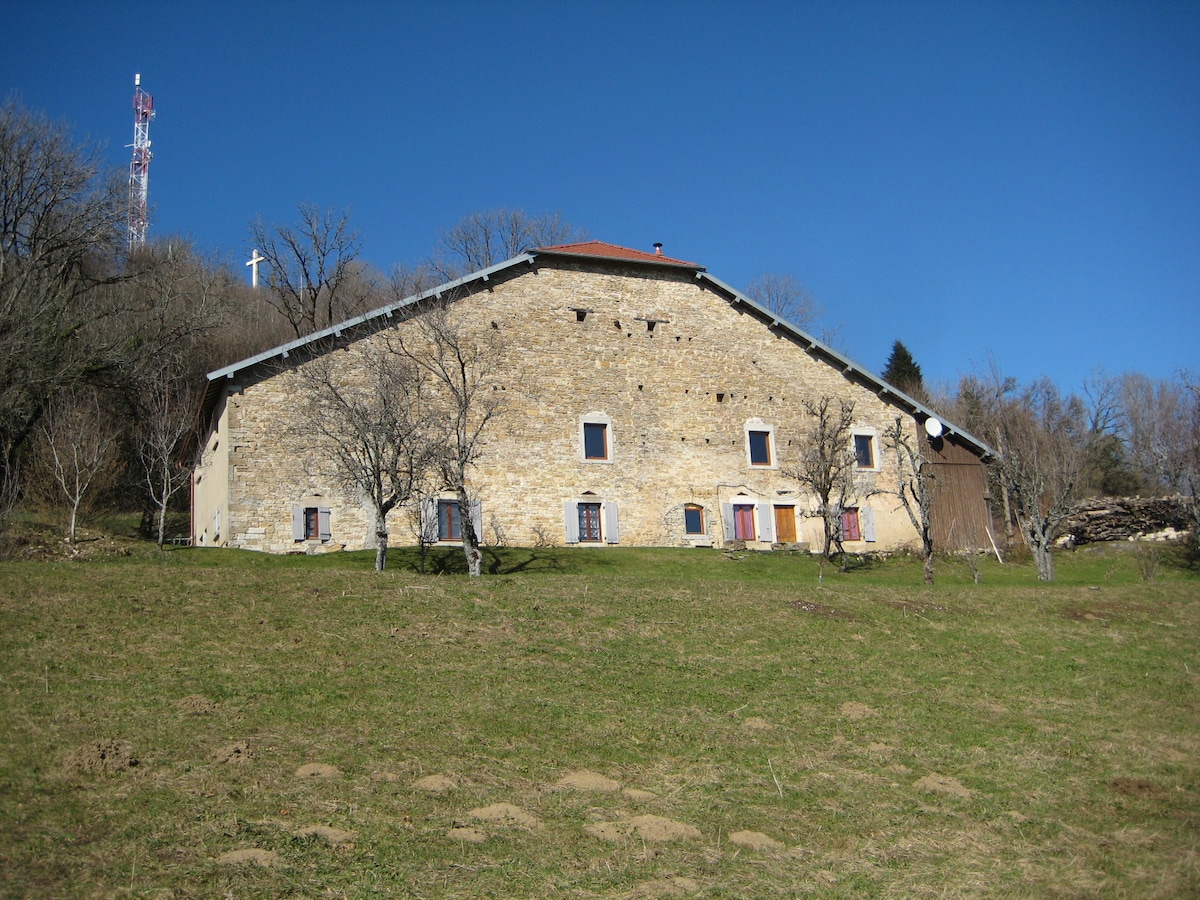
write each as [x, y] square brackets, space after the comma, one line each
[676, 373]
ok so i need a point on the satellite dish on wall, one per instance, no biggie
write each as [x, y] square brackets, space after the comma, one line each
[933, 427]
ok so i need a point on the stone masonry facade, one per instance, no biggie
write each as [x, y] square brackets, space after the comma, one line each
[639, 405]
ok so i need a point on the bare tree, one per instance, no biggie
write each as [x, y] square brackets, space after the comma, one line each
[1161, 426]
[174, 305]
[485, 238]
[61, 218]
[462, 371]
[79, 435]
[370, 410]
[1042, 443]
[406, 281]
[784, 295]
[914, 488]
[826, 465]
[166, 423]
[309, 267]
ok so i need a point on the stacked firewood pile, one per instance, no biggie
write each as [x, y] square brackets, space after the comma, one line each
[1124, 518]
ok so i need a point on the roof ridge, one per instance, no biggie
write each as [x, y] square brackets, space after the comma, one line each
[605, 250]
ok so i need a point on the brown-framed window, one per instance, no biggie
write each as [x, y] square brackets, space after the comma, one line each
[760, 448]
[864, 451]
[595, 440]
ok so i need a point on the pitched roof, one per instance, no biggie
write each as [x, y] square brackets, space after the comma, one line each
[612, 251]
[601, 250]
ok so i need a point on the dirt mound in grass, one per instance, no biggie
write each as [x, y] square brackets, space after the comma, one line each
[506, 814]
[234, 753]
[1137, 787]
[855, 711]
[435, 784]
[942, 784]
[652, 829]
[755, 840]
[105, 757]
[195, 705]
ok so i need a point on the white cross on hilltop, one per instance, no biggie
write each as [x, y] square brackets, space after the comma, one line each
[255, 259]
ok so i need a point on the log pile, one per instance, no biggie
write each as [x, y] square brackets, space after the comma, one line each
[1126, 518]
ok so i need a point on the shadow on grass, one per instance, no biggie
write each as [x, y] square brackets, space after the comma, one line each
[496, 560]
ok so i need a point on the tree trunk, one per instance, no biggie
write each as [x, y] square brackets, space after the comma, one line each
[162, 525]
[1044, 561]
[928, 568]
[381, 548]
[470, 540]
[828, 526]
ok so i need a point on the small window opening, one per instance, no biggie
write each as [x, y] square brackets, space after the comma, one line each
[760, 448]
[864, 451]
[312, 523]
[720, 398]
[595, 440]
[580, 315]
[449, 522]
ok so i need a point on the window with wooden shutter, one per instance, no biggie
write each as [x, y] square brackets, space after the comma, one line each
[866, 516]
[449, 527]
[589, 521]
[766, 522]
[570, 522]
[850, 527]
[612, 527]
[477, 519]
[743, 521]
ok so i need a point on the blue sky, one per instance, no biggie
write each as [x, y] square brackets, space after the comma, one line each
[1007, 180]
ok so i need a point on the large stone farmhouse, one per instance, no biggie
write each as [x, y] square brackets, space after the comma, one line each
[643, 403]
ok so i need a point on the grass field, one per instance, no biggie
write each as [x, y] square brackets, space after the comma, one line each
[610, 723]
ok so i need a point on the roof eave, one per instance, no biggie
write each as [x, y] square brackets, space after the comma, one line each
[285, 350]
[914, 407]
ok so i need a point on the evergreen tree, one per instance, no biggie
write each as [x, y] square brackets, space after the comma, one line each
[902, 371]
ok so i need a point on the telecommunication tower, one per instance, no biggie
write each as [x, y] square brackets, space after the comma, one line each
[139, 169]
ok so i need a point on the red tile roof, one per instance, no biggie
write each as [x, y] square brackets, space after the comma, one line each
[612, 251]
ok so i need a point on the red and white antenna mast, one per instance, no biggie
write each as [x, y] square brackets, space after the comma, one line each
[139, 169]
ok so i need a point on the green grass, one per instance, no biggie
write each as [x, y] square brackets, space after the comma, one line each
[753, 692]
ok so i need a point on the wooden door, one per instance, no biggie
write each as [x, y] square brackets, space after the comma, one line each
[785, 524]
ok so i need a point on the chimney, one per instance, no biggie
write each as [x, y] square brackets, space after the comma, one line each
[658, 248]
